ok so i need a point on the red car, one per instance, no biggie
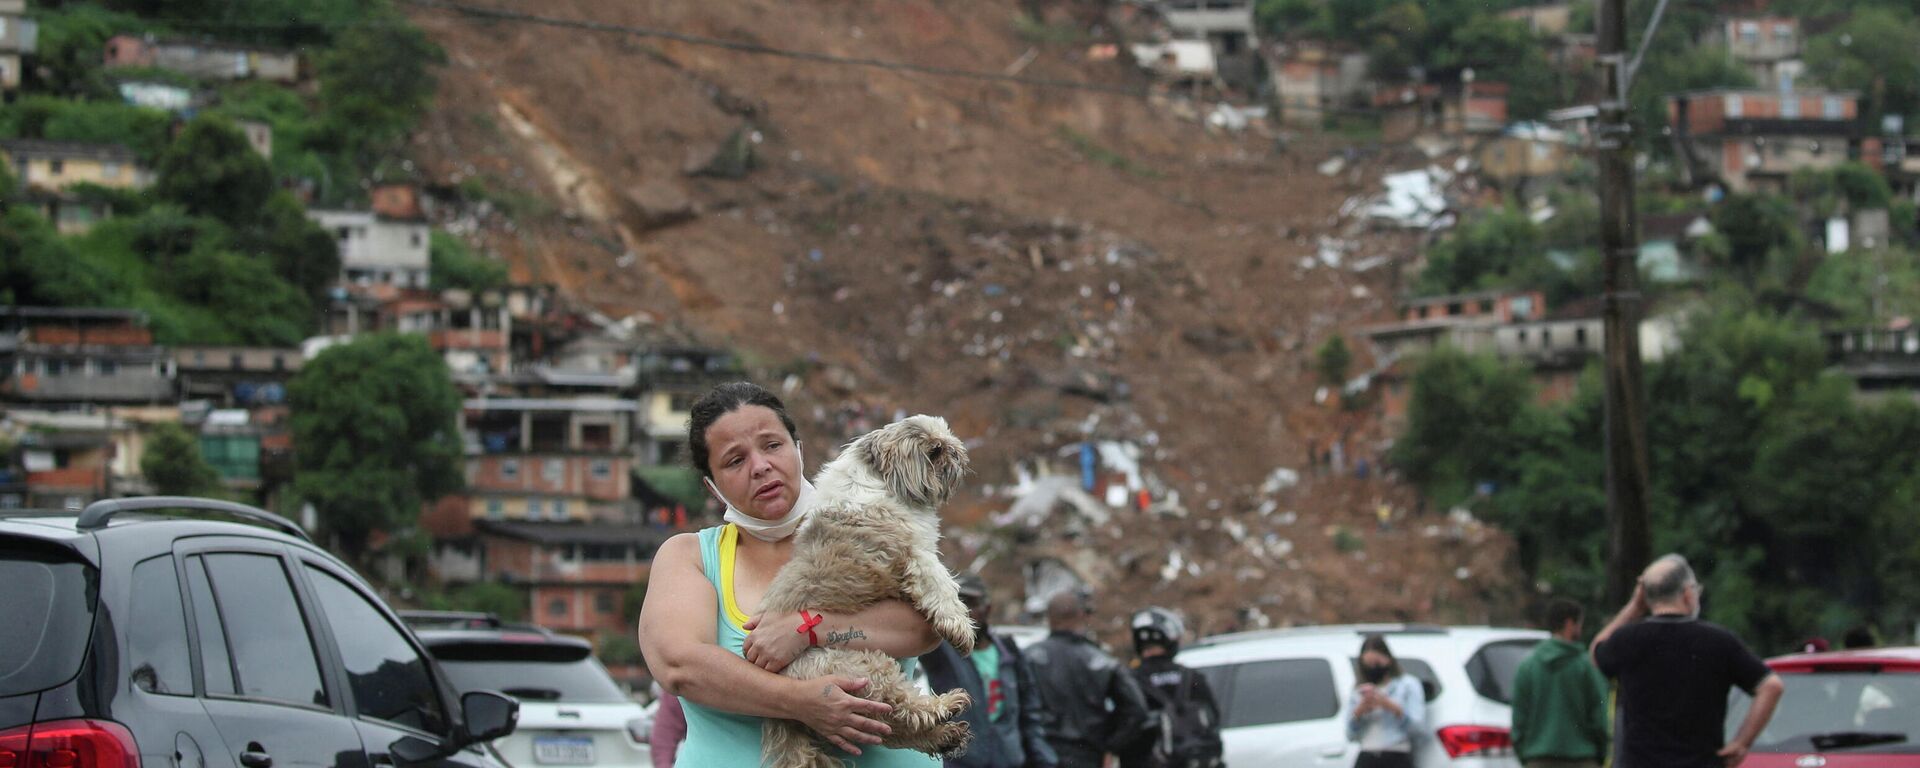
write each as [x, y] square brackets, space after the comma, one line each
[1846, 709]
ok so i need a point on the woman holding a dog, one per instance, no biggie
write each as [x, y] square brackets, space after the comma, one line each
[699, 628]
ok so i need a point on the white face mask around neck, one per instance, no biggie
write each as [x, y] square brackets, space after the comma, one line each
[771, 530]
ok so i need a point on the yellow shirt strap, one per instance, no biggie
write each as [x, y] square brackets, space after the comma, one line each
[729, 539]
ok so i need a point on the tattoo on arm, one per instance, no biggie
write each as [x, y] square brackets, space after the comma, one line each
[842, 638]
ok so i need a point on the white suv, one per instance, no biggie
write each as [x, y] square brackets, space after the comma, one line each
[1283, 691]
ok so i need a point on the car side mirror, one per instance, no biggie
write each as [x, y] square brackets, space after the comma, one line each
[488, 715]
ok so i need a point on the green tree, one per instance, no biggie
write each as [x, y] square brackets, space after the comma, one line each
[1868, 287]
[375, 422]
[1872, 54]
[211, 171]
[38, 267]
[297, 248]
[173, 465]
[1462, 400]
[454, 265]
[375, 83]
[1761, 233]
[1333, 359]
[1501, 248]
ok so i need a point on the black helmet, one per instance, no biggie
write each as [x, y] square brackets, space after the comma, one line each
[1157, 626]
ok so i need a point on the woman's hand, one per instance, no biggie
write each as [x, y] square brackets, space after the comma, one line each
[775, 641]
[843, 719]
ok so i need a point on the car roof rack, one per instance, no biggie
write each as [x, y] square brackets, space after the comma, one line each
[97, 514]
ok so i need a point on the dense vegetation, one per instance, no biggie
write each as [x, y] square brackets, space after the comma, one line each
[1793, 499]
[219, 250]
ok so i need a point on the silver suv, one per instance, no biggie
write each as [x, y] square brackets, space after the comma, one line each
[1283, 691]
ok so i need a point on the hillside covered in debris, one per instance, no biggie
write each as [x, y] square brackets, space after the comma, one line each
[1060, 272]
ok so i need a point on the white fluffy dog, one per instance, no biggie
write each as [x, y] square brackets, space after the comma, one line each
[873, 535]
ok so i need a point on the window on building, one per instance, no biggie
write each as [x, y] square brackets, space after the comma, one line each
[110, 171]
[1546, 337]
[1749, 32]
[1522, 307]
[559, 509]
[603, 602]
[1783, 33]
[106, 368]
[1736, 106]
[510, 469]
[279, 363]
[535, 509]
[1833, 107]
[1523, 336]
[602, 469]
[343, 234]
[553, 471]
[1453, 308]
[413, 239]
[1580, 337]
[557, 607]
[236, 362]
[1789, 107]
[53, 366]
[1486, 306]
[57, 167]
[495, 509]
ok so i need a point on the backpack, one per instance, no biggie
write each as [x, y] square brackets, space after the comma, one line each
[1188, 736]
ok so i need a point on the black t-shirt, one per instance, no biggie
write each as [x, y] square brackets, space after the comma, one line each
[1674, 677]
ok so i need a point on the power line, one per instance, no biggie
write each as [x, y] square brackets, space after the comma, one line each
[767, 50]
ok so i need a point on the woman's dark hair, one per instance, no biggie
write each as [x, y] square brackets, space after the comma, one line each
[722, 400]
[1378, 644]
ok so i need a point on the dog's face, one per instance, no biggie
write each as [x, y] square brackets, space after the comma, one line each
[918, 458]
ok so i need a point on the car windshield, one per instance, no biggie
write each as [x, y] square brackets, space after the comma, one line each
[571, 682]
[48, 605]
[1840, 712]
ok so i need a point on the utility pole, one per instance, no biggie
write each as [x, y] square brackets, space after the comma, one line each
[1629, 534]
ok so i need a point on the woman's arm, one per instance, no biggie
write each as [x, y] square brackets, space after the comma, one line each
[892, 627]
[677, 639]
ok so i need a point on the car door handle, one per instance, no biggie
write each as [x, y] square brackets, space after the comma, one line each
[255, 757]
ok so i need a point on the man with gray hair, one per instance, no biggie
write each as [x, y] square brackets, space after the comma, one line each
[1675, 672]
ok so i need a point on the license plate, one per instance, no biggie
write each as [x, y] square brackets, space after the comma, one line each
[559, 750]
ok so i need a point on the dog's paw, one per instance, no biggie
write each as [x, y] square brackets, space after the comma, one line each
[953, 702]
[958, 632]
[951, 740]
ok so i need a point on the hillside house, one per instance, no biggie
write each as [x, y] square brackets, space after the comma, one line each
[19, 37]
[378, 250]
[203, 59]
[1883, 362]
[48, 170]
[158, 95]
[1227, 27]
[576, 575]
[1456, 109]
[1545, 20]
[1315, 79]
[78, 357]
[236, 377]
[1523, 153]
[1750, 140]
[1555, 345]
[1768, 47]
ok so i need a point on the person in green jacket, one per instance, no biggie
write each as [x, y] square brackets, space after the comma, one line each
[1560, 699]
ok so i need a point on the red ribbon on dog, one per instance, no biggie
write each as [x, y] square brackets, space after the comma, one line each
[807, 622]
